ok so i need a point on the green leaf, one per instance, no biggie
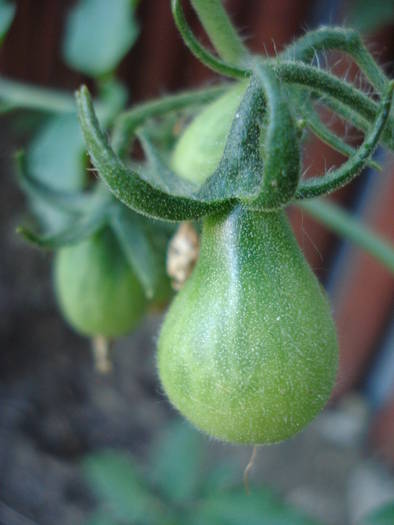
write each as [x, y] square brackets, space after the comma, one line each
[114, 478]
[175, 462]
[71, 202]
[224, 476]
[382, 516]
[7, 12]
[55, 158]
[131, 233]
[98, 35]
[257, 508]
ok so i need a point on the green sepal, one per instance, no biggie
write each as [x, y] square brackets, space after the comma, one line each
[332, 88]
[318, 128]
[240, 170]
[335, 179]
[282, 163]
[342, 39]
[131, 232]
[127, 185]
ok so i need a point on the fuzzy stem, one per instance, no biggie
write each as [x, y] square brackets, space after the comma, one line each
[199, 51]
[341, 39]
[347, 226]
[220, 30]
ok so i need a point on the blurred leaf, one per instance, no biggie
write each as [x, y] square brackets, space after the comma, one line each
[382, 516]
[239, 508]
[98, 34]
[101, 518]
[222, 477]
[349, 227]
[367, 16]
[74, 203]
[175, 462]
[131, 233]
[115, 480]
[7, 12]
[75, 231]
[55, 157]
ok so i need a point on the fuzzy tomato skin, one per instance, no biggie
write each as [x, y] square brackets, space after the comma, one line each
[97, 291]
[248, 350]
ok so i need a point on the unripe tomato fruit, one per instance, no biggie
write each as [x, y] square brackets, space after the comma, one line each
[97, 291]
[248, 350]
[199, 149]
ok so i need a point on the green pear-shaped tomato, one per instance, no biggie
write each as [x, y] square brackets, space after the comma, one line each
[97, 290]
[248, 350]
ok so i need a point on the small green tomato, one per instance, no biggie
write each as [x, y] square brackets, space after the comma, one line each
[201, 146]
[97, 291]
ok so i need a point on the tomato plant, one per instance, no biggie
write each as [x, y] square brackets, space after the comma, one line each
[248, 350]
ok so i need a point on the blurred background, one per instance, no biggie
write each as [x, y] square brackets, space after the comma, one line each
[57, 414]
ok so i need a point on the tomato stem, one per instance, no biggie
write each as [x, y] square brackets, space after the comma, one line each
[102, 349]
[220, 30]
